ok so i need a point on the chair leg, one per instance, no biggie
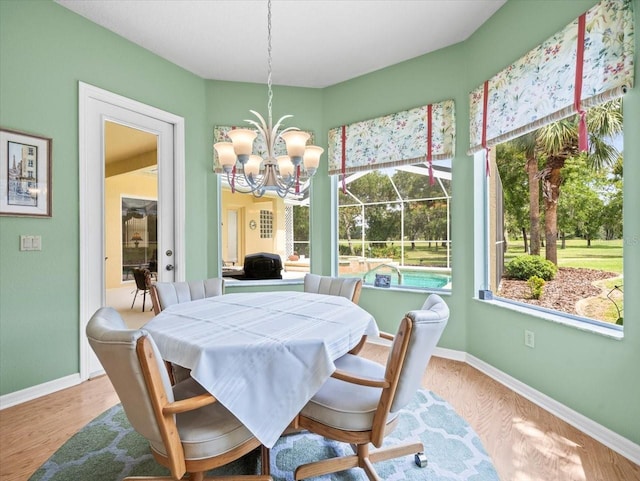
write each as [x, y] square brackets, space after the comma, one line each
[134, 298]
[362, 459]
[326, 466]
[265, 464]
[395, 452]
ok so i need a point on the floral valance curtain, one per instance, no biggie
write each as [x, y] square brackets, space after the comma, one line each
[557, 79]
[421, 134]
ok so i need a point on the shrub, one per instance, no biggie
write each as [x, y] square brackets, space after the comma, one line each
[385, 251]
[524, 267]
[536, 284]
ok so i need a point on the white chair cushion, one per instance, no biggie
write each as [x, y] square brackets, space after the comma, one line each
[208, 431]
[333, 286]
[344, 405]
[170, 293]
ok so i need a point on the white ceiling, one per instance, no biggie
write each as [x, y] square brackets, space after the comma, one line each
[316, 43]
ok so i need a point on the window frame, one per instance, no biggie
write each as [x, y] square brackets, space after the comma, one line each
[335, 193]
[482, 269]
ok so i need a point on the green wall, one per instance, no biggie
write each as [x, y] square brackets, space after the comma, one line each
[39, 302]
[44, 51]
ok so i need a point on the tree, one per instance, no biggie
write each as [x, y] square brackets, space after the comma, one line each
[374, 187]
[559, 142]
[511, 163]
[581, 205]
[301, 228]
[612, 212]
[527, 144]
[422, 218]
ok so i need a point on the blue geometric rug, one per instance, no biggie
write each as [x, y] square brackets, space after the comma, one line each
[108, 449]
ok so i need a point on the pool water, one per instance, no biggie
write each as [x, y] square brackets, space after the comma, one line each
[413, 278]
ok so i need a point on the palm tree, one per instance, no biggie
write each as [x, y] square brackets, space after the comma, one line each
[527, 145]
[558, 142]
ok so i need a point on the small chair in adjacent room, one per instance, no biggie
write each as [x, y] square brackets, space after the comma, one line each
[361, 401]
[143, 283]
[165, 294]
[187, 429]
[348, 287]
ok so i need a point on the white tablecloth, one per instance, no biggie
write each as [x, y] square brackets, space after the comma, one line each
[263, 355]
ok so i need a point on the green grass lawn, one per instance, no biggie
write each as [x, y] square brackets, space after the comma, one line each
[602, 255]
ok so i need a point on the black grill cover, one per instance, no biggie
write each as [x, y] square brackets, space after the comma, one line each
[262, 266]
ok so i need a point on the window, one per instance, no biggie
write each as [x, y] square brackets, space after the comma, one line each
[565, 209]
[553, 209]
[266, 224]
[395, 221]
[269, 223]
[139, 235]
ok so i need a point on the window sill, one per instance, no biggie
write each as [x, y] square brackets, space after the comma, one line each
[603, 329]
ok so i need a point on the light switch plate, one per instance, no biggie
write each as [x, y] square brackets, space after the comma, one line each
[30, 243]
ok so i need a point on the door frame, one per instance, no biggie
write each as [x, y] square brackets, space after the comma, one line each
[91, 213]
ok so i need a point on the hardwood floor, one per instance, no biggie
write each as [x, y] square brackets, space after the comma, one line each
[525, 442]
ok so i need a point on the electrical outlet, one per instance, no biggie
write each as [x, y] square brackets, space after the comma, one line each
[529, 339]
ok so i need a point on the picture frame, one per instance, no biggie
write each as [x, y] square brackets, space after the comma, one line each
[382, 280]
[25, 174]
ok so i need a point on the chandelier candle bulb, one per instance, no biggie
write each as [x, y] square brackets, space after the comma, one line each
[242, 140]
[312, 158]
[226, 155]
[252, 167]
[296, 141]
[285, 166]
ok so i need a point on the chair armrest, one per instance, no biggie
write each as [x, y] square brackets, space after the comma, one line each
[362, 381]
[387, 336]
[189, 404]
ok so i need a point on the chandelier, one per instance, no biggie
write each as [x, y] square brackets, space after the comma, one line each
[279, 174]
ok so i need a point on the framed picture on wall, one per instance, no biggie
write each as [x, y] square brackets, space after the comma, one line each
[25, 174]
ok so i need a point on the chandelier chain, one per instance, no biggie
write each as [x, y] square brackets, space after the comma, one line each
[269, 81]
[266, 172]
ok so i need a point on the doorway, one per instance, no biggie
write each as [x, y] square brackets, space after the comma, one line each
[100, 110]
[131, 215]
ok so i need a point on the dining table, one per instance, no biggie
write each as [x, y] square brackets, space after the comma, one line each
[263, 355]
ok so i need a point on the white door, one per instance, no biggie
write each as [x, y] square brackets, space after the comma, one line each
[98, 106]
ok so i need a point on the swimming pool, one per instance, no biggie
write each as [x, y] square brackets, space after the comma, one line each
[411, 277]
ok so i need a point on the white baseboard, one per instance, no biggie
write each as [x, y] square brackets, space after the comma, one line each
[609, 438]
[450, 354]
[34, 392]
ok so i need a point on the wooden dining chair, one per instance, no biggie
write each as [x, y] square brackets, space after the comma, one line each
[361, 401]
[165, 294]
[187, 429]
[348, 287]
